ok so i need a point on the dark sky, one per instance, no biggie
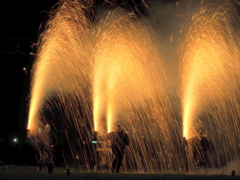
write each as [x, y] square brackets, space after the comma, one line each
[20, 21]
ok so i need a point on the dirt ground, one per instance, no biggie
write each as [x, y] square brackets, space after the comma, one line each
[31, 173]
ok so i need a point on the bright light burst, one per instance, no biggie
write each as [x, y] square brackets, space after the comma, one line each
[113, 70]
[210, 61]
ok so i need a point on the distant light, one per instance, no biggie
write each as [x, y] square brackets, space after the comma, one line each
[15, 140]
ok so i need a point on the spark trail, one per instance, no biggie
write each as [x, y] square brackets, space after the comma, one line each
[210, 61]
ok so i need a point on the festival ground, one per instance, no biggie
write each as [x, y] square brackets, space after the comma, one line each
[30, 172]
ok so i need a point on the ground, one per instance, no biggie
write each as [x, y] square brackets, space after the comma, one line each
[31, 173]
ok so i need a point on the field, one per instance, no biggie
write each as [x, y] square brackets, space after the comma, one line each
[31, 173]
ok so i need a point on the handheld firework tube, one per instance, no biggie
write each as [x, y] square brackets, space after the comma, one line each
[95, 136]
[102, 140]
[29, 133]
[185, 143]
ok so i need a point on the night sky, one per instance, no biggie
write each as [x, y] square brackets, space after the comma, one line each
[20, 22]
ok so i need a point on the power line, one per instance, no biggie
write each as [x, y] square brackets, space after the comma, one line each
[19, 39]
[18, 50]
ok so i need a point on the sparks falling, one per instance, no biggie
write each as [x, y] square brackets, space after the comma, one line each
[99, 72]
[209, 61]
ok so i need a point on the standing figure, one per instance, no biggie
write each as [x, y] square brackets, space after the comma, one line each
[46, 147]
[200, 145]
[119, 140]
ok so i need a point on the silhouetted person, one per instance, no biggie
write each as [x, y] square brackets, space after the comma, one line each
[46, 147]
[184, 154]
[200, 145]
[212, 155]
[119, 140]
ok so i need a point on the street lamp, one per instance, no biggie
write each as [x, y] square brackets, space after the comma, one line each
[15, 140]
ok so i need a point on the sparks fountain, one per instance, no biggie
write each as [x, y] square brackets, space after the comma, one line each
[100, 71]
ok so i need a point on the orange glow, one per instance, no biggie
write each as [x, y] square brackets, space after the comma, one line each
[109, 121]
[110, 111]
[97, 75]
[95, 114]
[206, 63]
[123, 50]
[59, 67]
